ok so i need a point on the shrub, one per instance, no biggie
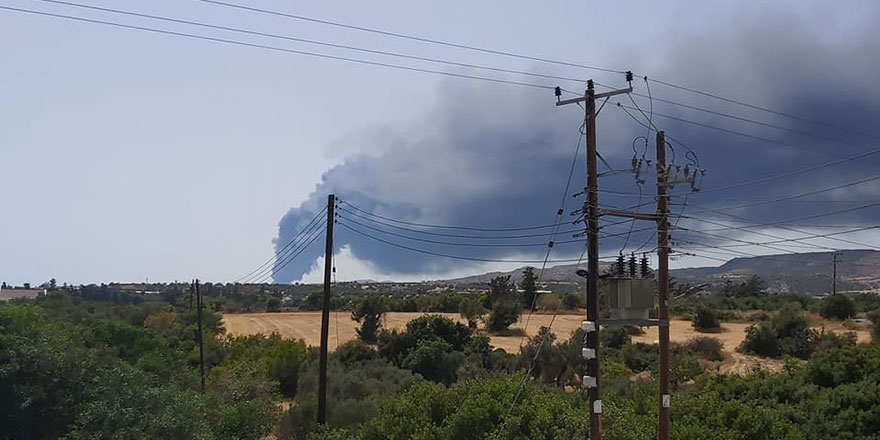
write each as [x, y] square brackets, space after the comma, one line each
[571, 301]
[273, 305]
[549, 301]
[705, 319]
[706, 347]
[837, 307]
[614, 337]
[640, 357]
[761, 340]
[788, 333]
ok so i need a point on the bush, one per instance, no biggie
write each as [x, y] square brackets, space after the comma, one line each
[788, 333]
[614, 337]
[761, 340]
[640, 357]
[571, 301]
[705, 319]
[706, 347]
[837, 306]
[273, 305]
[549, 301]
[479, 409]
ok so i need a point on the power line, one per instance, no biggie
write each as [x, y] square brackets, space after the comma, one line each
[278, 49]
[713, 127]
[442, 234]
[796, 196]
[789, 228]
[313, 42]
[520, 56]
[276, 269]
[765, 179]
[765, 109]
[281, 258]
[457, 257]
[409, 37]
[490, 245]
[465, 228]
[290, 242]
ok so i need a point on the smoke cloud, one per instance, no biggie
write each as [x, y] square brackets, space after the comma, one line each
[490, 156]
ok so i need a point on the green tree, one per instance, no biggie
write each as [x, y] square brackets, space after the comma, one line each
[837, 306]
[705, 319]
[529, 288]
[503, 302]
[273, 305]
[368, 312]
[471, 309]
[571, 301]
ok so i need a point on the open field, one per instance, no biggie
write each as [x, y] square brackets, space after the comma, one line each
[307, 326]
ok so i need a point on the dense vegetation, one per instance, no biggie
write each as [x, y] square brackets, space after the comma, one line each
[99, 363]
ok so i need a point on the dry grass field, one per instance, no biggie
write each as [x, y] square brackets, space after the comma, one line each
[307, 325]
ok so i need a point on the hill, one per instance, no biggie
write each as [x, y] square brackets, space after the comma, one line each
[801, 273]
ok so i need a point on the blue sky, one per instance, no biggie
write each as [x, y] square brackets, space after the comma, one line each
[130, 156]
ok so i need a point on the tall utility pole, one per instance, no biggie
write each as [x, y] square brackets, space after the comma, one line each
[591, 213]
[663, 281]
[201, 336]
[325, 312]
[834, 272]
[591, 210]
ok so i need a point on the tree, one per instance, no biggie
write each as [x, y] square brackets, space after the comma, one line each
[529, 288]
[314, 301]
[753, 286]
[273, 305]
[705, 319]
[504, 309]
[368, 312]
[571, 301]
[837, 306]
[471, 310]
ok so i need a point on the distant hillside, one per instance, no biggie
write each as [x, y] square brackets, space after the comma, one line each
[808, 273]
[801, 273]
[556, 274]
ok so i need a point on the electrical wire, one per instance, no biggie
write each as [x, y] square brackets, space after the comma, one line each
[457, 257]
[797, 196]
[313, 42]
[441, 234]
[277, 49]
[526, 57]
[409, 37]
[292, 257]
[765, 109]
[465, 228]
[490, 245]
[285, 247]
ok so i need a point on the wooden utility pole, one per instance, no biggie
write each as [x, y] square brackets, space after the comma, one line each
[591, 215]
[663, 282]
[201, 336]
[834, 273]
[325, 312]
[591, 210]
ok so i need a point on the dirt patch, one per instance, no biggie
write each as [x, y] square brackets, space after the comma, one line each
[307, 326]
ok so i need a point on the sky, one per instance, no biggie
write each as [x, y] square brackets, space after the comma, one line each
[132, 156]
